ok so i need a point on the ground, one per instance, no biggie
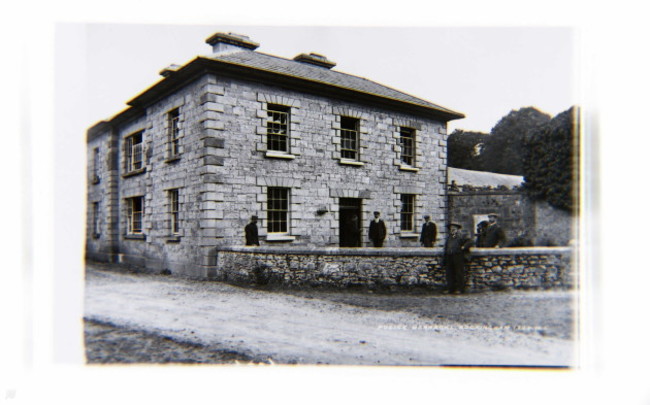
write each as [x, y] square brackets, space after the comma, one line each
[139, 318]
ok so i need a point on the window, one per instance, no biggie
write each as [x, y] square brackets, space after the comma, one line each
[96, 232]
[173, 132]
[95, 165]
[407, 143]
[277, 210]
[174, 223]
[133, 152]
[407, 213]
[350, 138]
[135, 212]
[277, 128]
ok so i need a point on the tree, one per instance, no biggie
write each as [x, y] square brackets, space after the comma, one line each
[551, 161]
[506, 147]
[464, 148]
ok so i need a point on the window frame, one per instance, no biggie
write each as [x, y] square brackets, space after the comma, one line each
[132, 214]
[407, 159]
[274, 128]
[407, 216]
[96, 163]
[344, 134]
[278, 216]
[96, 218]
[173, 133]
[131, 150]
[173, 211]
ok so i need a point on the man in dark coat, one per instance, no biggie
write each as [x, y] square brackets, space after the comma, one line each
[480, 233]
[494, 235]
[453, 259]
[377, 231]
[429, 232]
[252, 238]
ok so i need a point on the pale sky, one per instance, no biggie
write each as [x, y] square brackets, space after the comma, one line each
[481, 72]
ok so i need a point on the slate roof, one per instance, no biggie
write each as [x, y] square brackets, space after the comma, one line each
[275, 64]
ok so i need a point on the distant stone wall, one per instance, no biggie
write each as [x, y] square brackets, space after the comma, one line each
[525, 222]
[536, 268]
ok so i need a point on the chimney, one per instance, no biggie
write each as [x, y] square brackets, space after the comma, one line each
[230, 42]
[169, 70]
[315, 59]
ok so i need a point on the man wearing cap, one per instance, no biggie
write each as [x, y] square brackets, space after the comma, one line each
[429, 232]
[453, 259]
[377, 230]
[251, 232]
[494, 235]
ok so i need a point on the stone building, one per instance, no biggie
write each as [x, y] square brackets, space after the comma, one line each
[311, 151]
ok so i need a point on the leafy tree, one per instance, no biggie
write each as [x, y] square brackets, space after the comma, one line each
[464, 148]
[551, 162]
[505, 149]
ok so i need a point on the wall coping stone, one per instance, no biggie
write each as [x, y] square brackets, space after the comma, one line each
[396, 252]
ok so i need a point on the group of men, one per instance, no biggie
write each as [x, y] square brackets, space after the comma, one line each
[455, 251]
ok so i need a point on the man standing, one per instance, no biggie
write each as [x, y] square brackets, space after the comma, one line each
[494, 235]
[480, 233]
[456, 247]
[429, 232]
[377, 231]
[252, 238]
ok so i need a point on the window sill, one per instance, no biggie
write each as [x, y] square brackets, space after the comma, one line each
[408, 168]
[280, 238]
[350, 162]
[173, 159]
[279, 155]
[409, 235]
[134, 173]
[173, 239]
[139, 236]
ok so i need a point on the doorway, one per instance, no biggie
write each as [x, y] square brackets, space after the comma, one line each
[350, 221]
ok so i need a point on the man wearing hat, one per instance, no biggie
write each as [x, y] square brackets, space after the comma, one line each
[453, 259]
[251, 232]
[494, 235]
[377, 230]
[429, 232]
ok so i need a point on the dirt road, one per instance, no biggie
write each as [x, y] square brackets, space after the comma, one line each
[505, 328]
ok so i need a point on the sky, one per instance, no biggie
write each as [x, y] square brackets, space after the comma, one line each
[483, 72]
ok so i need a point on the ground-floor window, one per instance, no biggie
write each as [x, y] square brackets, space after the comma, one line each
[174, 222]
[96, 219]
[407, 213]
[134, 213]
[277, 210]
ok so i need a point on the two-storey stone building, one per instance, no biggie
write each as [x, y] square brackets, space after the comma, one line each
[309, 150]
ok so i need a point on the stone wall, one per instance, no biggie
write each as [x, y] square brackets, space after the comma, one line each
[525, 222]
[535, 268]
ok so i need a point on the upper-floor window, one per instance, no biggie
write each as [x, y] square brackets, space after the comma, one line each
[407, 213]
[174, 222]
[350, 138]
[277, 210]
[96, 168]
[407, 146]
[173, 132]
[134, 215]
[133, 152]
[277, 128]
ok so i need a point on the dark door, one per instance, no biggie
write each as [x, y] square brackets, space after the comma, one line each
[350, 222]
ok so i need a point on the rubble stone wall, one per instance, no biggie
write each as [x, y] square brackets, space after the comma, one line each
[487, 269]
